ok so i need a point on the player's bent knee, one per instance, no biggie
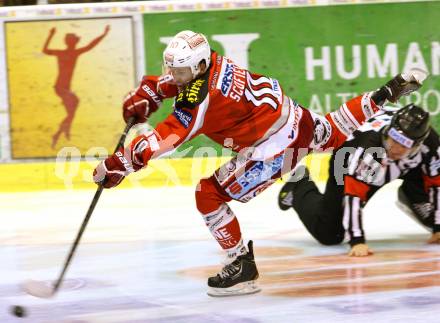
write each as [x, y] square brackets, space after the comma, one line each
[208, 196]
[330, 241]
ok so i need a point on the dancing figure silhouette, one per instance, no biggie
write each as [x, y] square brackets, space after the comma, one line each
[67, 59]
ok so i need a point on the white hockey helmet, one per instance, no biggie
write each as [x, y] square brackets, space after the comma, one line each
[187, 49]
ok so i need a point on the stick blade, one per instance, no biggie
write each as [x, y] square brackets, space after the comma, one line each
[39, 289]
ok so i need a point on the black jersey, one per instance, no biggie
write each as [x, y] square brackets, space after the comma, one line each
[360, 167]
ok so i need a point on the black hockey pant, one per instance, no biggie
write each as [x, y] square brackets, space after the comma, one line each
[322, 214]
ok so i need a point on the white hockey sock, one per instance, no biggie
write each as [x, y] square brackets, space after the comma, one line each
[233, 253]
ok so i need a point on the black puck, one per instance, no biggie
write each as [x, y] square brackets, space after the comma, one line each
[18, 311]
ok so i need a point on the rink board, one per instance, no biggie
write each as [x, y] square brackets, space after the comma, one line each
[163, 172]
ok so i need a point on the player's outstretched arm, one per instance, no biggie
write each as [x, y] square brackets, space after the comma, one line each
[165, 138]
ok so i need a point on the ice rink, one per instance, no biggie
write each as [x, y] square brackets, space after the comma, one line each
[146, 256]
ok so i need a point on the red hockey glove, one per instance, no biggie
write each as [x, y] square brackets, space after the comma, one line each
[142, 102]
[111, 171]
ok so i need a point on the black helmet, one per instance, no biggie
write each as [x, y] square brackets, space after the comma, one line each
[409, 126]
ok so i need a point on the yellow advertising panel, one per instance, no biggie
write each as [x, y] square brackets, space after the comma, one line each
[67, 79]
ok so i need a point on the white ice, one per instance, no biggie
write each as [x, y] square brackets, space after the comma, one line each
[146, 255]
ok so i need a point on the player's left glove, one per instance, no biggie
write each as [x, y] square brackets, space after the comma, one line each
[142, 102]
[111, 171]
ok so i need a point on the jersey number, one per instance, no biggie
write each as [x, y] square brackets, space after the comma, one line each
[263, 90]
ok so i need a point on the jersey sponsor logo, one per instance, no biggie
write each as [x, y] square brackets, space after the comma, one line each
[322, 132]
[183, 116]
[295, 123]
[249, 196]
[227, 79]
[214, 80]
[259, 173]
[238, 84]
[341, 123]
[277, 89]
[194, 90]
[275, 85]
[191, 93]
[233, 81]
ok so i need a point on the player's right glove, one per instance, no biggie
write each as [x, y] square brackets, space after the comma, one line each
[142, 102]
[111, 171]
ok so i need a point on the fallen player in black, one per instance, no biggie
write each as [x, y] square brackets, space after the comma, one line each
[385, 148]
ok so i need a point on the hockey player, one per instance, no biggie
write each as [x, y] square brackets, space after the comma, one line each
[385, 148]
[246, 112]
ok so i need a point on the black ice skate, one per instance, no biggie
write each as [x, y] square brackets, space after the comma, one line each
[420, 212]
[400, 85]
[286, 196]
[236, 278]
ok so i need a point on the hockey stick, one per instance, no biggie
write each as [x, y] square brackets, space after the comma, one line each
[44, 290]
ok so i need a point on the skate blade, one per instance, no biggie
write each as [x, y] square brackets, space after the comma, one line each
[246, 288]
[410, 213]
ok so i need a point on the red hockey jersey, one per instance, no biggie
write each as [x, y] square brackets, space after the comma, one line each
[225, 103]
